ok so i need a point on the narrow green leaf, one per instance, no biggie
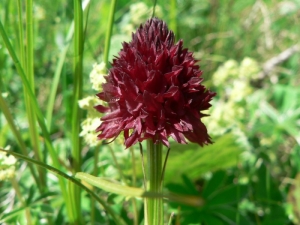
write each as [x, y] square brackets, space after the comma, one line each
[110, 186]
[57, 74]
[117, 188]
[9, 118]
[109, 31]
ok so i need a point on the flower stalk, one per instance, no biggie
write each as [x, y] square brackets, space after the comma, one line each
[154, 170]
[153, 91]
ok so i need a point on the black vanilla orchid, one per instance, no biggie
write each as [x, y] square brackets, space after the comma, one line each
[154, 91]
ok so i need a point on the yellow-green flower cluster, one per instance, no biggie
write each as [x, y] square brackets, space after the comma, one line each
[139, 12]
[92, 120]
[7, 166]
[233, 83]
[97, 76]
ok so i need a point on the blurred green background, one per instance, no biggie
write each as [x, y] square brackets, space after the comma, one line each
[249, 52]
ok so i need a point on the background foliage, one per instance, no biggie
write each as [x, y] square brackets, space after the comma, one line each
[249, 53]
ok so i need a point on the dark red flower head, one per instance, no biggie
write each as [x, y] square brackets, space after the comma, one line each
[154, 91]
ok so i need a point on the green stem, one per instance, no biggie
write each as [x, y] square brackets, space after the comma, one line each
[135, 209]
[15, 184]
[78, 82]
[76, 115]
[154, 164]
[117, 164]
[145, 184]
[95, 173]
[109, 31]
[153, 10]
[173, 16]
[9, 118]
[29, 68]
[57, 74]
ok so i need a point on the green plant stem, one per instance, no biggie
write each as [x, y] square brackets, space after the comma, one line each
[95, 173]
[77, 112]
[145, 183]
[21, 34]
[15, 185]
[153, 9]
[109, 31]
[154, 165]
[28, 64]
[135, 209]
[117, 164]
[57, 75]
[78, 83]
[9, 118]
[173, 16]
[29, 40]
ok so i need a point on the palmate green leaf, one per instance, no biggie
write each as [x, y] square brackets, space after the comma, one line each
[30, 203]
[230, 215]
[11, 215]
[47, 209]
[221, 201]
[229, 195]
[214, 183]
[286, 97]
[209, 219]
[195, 160]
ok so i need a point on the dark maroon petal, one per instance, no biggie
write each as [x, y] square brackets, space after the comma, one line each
[102, 108]
[113, 116]
[150, 103]
[101, 96]
[163, 137]
[172, 92]
[177, 136]
[132, 139]
[133, 106]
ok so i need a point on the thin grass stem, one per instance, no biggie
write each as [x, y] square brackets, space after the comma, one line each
[164, 167]
[57, 74]
[77, 95]
[134, 204]
[109, 31]
[9, 118]
[95, 173]
[15, 185]
[28, 60]
[173, 16]
[116, 163]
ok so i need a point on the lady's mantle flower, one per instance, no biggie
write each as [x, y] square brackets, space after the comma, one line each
[7, 165]
[89, 125]
[154, 91]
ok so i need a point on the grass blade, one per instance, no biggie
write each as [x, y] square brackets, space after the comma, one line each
[8, 116]
[109, 31]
